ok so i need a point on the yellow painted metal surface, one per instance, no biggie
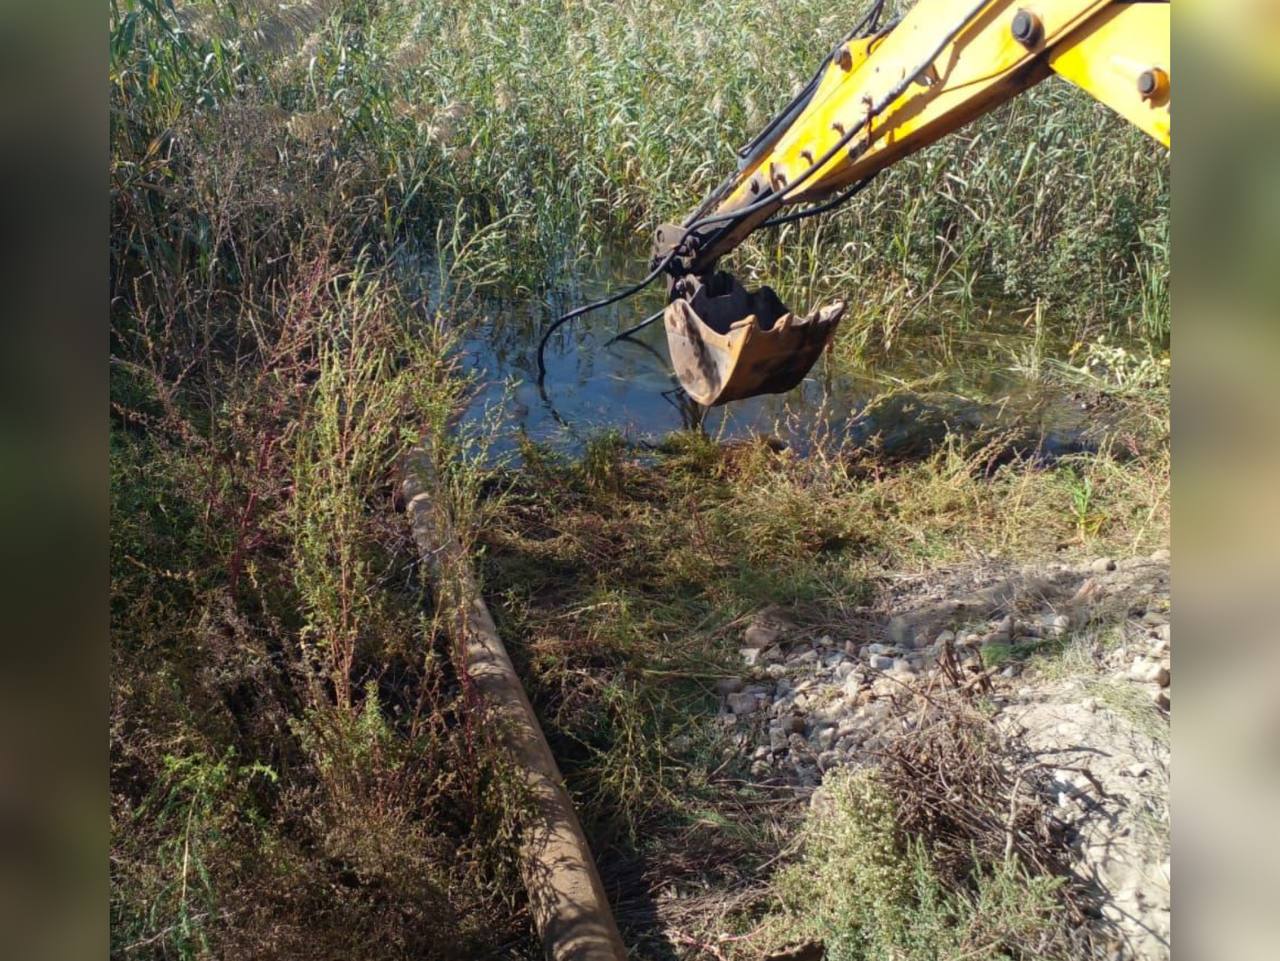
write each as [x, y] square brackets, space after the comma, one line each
[880, 99]
[1108, 55]
[957, 59]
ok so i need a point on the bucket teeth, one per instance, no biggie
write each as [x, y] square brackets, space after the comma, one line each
[728, 343]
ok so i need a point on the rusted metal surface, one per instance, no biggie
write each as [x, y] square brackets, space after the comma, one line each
[728, 343]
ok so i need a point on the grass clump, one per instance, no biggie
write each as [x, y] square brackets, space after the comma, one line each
[868, 891]
[285, 717]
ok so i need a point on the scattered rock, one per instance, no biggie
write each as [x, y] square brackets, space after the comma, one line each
[829, 702]
[767, 627]
[1149, 671]
[825, 738]
[743, 702]
[730, 685]
[1055, 625]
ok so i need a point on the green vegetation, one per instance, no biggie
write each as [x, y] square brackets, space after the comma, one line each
[626, 576]
[868, 892]
[293, 770]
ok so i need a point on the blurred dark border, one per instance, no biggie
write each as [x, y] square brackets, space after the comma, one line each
[53, 687]
[1226, 423]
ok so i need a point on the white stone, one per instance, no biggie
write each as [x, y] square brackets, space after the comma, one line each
[742, 702]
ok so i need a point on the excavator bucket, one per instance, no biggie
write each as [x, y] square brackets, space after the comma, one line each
[728, 343]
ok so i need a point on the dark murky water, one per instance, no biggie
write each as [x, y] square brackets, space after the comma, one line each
[969, 380]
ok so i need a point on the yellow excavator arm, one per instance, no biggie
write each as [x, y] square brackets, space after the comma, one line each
[881, 95]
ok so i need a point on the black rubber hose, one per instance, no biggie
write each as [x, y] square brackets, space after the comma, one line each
[596, 305]
[652, 318]
[821, 208]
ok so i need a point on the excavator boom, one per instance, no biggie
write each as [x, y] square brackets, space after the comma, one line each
[881, 95]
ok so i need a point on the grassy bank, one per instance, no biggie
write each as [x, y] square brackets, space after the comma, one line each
[628, 577]
[292, 770]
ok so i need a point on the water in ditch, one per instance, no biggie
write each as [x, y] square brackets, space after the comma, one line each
[980, 378]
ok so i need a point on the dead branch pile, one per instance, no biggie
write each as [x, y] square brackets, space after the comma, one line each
[975, 793]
